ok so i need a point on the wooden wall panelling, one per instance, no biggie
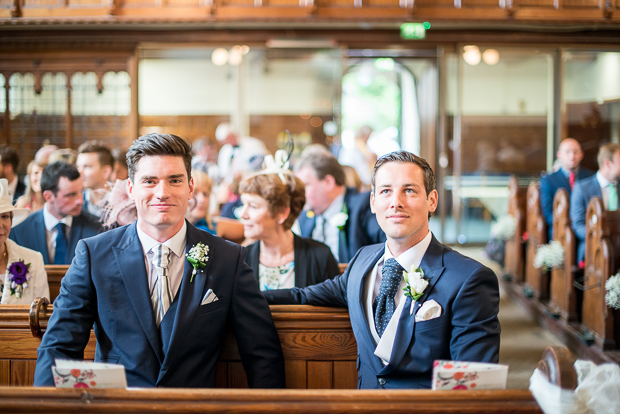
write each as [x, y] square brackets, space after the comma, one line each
[221, 375]
[296, 374]
[345, 375]
[5, 373]
[320, 374]
[22, 373]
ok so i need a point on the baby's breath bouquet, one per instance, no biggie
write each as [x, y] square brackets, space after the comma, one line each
[549, 256]
[503, 228]
[612, 297]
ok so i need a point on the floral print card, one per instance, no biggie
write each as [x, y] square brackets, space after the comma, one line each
[460, 375]
[82, 374]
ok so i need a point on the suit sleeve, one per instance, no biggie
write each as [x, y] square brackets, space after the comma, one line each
[546, 200]
[475, 326]
[578, 206]
[68, 330]
[255, 332]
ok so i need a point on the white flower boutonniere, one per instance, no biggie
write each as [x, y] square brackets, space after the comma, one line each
[415, 285]
[339, 220]
[198, 256]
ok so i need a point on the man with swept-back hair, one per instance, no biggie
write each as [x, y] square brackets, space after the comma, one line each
[95, 163]
[451, 314]
[153, 311]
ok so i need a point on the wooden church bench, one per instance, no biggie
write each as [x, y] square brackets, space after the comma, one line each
[535, 278]
[514, 257]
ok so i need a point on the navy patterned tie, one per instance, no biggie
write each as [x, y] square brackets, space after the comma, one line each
[384, 306]
[60, 255]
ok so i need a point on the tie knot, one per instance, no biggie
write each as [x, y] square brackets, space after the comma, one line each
[392, 270]
[60, 226]
[161, 256]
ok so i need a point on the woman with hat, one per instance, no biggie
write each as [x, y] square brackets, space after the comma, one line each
[22, 275]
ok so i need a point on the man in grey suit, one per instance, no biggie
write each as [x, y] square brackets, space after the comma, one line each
[603, 184]
[56, 229]
[452, 314]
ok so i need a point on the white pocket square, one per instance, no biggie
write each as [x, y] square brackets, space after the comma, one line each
[429, 310]
[209, 297]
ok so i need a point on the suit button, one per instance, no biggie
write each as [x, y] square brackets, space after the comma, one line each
[382, 381]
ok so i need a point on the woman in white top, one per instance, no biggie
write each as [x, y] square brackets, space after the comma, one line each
[22, 275]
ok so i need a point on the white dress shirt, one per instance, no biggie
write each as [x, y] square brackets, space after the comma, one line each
[604, 182]
[177, 245]
[412, 257]
[51, 231]
[332, 233]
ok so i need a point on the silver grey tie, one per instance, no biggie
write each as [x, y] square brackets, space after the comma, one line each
[160, 295]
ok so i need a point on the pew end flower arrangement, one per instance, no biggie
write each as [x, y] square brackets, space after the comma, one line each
[612, 296]
[504, 228]
[549, 256]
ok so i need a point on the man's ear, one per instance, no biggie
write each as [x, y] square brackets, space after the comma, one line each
[48, 195]
[330, 181]
[432, 201]
[130, 189]
[191, 187]
[372, 202]
[107, 172]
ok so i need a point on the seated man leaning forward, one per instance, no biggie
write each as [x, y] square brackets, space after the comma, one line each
[151, 312]
[455, 314]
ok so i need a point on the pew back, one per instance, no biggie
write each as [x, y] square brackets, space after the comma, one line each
[563, 296]
[514, 257]
[601, 262]
[55, 273]
[537, 235]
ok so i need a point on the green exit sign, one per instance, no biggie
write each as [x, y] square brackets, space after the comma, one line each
[414, 30]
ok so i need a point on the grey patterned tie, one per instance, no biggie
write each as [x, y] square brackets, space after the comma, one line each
[384, 306]
[161, 296]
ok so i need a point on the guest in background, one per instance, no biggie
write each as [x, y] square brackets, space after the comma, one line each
[33, 197]
[43, 154]
[337, 216]
[56, 229]
[120, 170]
[569, 157]
[238, 154]
[119, 209]
[603, 184]
[95, 163]
[22, 275]
[199, 204]
[205, 152]
[280, 259]
[67, 155]
[9, 162]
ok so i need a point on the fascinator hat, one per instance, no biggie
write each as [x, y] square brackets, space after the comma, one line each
[119, 207]
[6, 204]
[279, 163]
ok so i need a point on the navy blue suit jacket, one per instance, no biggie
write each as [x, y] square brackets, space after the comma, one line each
[20, 189]
[583, 191]
[31, 233]
[361, 228]
[549, 185]
[107, 286]
[467, 330]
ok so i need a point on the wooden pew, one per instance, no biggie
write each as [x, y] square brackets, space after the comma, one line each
[514, 257]
[556, 365]
[564, 299]
[536, 279]
[55, 273]
[318, 345]
[601, 262]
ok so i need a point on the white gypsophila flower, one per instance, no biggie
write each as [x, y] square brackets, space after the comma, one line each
[504, 227]
[549, 256]
[339, 219]
[612, 297]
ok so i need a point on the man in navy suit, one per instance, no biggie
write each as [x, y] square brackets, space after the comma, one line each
[9, 162]
[338, 216]
[398, 339]
[569, 156]
[56, 229]
[603, 184]
[151, 312]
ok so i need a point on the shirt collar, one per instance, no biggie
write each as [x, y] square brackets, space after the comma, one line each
[51, 221]
[335, 207]
[413, 256]
[602, 181]
[567, 172]
[176, 243]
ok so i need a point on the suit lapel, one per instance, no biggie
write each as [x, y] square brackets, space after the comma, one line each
[40, 236]
[432, 265]
[306, 224]
[190, 297]
[75, 234]
[130, 258]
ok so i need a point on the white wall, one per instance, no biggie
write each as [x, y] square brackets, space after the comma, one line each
[592, 77]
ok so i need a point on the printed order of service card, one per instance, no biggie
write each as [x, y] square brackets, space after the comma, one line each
[82, 374]
[459, 375]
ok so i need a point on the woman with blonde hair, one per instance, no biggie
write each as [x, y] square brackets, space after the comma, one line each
[272, 201]
[199, 205]
[33, 197]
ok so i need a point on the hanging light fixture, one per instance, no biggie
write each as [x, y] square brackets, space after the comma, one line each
[471, 55]
[219, 57]
[490, 57]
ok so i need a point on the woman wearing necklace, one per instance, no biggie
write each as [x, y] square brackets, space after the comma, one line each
[280, 259]
[22, 275]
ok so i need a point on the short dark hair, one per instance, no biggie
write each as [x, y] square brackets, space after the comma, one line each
[52, 173]
[9, 156]
[323, 165]
[406, 157]
[279, 195]
[155, 144]
[104, 154]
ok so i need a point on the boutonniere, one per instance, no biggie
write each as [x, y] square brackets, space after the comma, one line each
[415, 285]
[18, 277]
[340, 219]
[197, 256]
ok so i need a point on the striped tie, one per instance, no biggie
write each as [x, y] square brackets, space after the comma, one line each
[161, 296]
